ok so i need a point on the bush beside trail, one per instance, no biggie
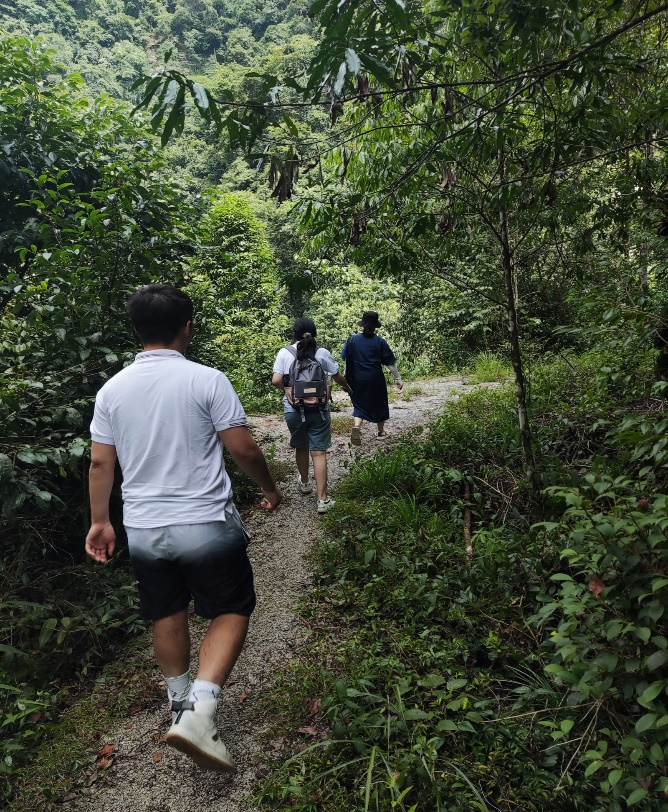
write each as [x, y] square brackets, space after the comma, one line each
[477, 644]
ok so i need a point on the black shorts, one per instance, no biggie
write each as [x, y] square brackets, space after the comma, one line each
[205, 562]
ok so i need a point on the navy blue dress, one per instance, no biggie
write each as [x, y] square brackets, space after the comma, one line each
[365, 356]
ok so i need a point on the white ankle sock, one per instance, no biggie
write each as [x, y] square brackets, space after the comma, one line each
[178, 688]
[203, 689]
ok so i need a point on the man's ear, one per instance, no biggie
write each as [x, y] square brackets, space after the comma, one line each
[188, 329]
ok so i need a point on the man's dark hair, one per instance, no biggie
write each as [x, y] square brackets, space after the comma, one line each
[158, 312]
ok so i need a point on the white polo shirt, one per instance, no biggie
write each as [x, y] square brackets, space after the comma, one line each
[162, 413]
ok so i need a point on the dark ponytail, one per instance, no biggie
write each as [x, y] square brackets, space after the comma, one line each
[304, 333]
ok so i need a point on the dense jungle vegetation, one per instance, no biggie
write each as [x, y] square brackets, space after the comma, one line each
[489, 627]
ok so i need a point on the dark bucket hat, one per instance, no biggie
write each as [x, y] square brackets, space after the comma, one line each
[369, 319]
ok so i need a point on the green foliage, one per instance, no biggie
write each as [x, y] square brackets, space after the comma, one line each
[415, 713]
[237, 288]
[87, 216]
[607, 619]
[488, 368]
[88, 222]
[56, 624]
[528, 673]
[111, 44]
[340, 296]
[488, 159]
[94, 707]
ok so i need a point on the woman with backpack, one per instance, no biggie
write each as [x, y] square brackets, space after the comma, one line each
[301, 370]
[365, 355]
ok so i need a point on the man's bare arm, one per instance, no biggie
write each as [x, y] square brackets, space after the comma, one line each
[101, 538]
[248, 456]
[277, 380]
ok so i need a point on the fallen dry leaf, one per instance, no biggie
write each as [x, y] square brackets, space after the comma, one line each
[312, 731]
[596, 586]
[314, 706]
[34, 718]
[157, 757]
[106, 750]
[103, 763]
[90, 779]
[243, 697]
[129, 726]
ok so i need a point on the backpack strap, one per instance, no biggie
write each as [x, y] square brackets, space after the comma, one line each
[291, 350]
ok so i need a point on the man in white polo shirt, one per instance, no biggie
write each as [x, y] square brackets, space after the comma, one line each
[166, 420]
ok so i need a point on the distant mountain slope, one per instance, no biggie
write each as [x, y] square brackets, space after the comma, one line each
[113, 42]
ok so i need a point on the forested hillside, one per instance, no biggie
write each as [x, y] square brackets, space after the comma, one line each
[112, 42]
[492, 177]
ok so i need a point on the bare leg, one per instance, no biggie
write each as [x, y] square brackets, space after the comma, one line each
[356, 431]
[171, 642]
[301, 456]
[320, 470]
[193, 729]
[381, 427]
[221, 647]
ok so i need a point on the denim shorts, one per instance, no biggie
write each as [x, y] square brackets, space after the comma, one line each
[314, 432]
[206, 562]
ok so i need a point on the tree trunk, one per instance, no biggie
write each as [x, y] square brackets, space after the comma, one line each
[513, 331]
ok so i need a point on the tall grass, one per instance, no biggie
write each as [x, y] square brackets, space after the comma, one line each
[489, 368]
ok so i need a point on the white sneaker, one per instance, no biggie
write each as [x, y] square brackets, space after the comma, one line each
[304, 488]
[325, 504]
[194, 733]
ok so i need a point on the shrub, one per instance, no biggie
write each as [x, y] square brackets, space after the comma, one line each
[611, 652]
[489, 368]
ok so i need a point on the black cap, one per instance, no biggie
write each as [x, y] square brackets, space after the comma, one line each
[369, 319]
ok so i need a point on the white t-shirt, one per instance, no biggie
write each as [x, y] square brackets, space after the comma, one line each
[284, 361]
[163, 413]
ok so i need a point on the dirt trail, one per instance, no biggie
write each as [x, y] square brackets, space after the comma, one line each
[148, 776]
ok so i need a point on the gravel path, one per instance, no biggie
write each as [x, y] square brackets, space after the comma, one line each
[147, 776]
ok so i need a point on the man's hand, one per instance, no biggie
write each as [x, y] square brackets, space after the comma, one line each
[101, 542]
[272, 498]
[400, 386]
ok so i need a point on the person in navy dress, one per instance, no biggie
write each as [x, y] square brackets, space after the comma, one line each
[365, 355]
